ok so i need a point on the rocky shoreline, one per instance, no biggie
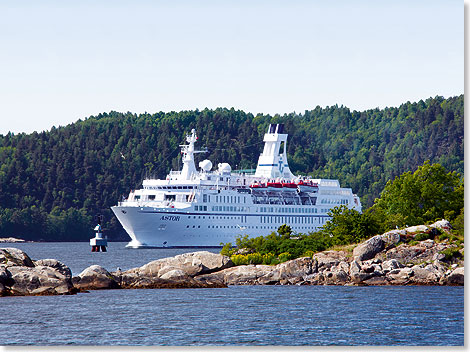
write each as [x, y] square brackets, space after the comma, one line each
[381, 260]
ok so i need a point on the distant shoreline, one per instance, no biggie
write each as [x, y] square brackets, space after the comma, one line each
[19, 240]
[12, 240]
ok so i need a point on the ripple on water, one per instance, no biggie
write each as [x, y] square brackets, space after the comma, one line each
[238, 315]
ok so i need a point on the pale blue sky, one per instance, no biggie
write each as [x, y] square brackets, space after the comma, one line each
[65, 60]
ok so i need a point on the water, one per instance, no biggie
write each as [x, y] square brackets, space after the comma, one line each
[238, 315]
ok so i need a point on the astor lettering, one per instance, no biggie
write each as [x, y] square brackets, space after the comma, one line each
[170, 218]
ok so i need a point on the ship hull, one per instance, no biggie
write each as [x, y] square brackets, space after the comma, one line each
[151, 227]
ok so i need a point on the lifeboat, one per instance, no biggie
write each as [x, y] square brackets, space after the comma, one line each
[289, 186]
[274, 186]
[307, 186]
[258, 186]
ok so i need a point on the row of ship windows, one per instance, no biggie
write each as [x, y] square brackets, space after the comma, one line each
[271, 219]
[334, 201]
[262, 209]
[218, 217]
[170, 187]
[291, 220]
[249, 227]
[223, 199]
[336, 192]
[291, 210]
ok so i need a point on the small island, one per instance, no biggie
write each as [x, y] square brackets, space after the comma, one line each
[410, 256]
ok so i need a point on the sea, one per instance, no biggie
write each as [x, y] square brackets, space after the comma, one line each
[233, 316]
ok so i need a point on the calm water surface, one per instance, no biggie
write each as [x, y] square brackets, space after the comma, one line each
[238, 315]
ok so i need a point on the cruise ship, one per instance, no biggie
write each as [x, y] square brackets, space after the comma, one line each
[206, 207]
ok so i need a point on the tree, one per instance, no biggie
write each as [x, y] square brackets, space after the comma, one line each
[430, 193]
[348, 226]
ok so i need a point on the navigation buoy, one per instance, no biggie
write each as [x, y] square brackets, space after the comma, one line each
[99, 242]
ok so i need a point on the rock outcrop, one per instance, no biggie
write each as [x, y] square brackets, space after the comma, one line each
[177, 272]
[455, 277]
[380, 260]
[19, 275]
[369, 248]
[94, 277]
[14, 257]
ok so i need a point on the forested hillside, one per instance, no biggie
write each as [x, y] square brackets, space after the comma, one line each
[52, 183]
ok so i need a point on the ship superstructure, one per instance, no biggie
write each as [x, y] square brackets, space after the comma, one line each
[205, 207]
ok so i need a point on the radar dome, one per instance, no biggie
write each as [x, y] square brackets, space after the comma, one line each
[224, 167]
[205, 165]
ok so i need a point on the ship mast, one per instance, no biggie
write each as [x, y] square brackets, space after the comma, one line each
[189, 168]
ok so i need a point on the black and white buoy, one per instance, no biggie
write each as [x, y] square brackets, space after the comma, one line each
[99, 242]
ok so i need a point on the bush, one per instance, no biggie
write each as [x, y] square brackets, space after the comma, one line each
[423, 236]
[239, 259]
[227, 249]
[348, 226]
[254, 258]
[444, 237]
[428, 194]
[284, 257]
[458, 224]
[309, 254]
[451, 253]
[270, 259]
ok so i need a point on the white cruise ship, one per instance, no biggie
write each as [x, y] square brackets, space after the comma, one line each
[205, 208]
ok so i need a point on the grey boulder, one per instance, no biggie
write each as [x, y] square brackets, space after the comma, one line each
[368, 249]
[94, 277]
[39, 280]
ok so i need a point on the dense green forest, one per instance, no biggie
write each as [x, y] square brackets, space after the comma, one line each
[53, 182]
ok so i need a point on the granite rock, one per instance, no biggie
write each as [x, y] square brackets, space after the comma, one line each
[95, 277]
[15, 256]
[369, 248]
[39, 280]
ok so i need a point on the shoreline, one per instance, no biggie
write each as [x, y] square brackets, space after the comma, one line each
[382, 260]
[12, 240]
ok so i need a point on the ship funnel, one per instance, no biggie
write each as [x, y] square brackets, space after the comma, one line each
[272, 163]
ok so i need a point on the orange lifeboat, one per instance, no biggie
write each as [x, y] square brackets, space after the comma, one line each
[258, 186]
[307, 186]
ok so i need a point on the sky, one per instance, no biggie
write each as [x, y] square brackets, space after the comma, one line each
[61, 61]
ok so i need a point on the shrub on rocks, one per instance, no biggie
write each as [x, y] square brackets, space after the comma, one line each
[283, 257]
[451, 253]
